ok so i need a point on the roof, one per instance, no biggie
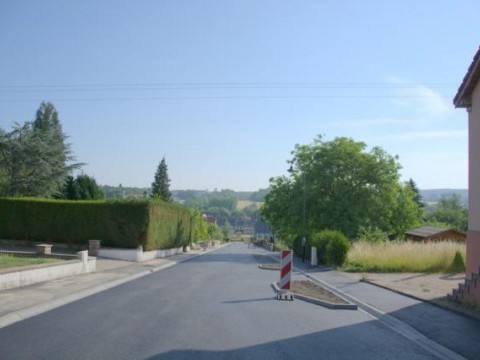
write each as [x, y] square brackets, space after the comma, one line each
[464, 94]
[427, 231]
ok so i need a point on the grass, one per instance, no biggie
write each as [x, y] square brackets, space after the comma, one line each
[8, 261]
[397, 256]
[242, 204]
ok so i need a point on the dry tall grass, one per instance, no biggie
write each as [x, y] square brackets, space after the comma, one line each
[396, 256]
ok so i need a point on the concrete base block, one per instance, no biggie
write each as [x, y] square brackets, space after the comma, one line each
[137, 255]
[44, 249]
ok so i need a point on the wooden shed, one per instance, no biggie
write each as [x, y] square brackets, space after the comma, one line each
[431, 233]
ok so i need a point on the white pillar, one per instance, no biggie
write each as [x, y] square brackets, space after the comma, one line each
[313, 256]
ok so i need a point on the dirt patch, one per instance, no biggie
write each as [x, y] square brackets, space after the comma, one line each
[311, 289]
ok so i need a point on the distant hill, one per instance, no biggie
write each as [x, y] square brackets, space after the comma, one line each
[244, 197]
[431, 196]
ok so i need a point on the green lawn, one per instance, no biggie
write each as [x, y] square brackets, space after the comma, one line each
[8, 260]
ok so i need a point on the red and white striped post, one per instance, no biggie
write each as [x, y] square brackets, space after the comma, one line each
[285, 270]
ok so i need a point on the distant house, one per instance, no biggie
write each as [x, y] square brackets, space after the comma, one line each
[209, 219]
[431, 233]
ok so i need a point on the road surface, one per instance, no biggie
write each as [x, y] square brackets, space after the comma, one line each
[216, 306]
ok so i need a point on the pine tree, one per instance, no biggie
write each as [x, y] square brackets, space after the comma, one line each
[83, 187]
[34, 156]
[56, 152]
[161, 183]
[416, 193]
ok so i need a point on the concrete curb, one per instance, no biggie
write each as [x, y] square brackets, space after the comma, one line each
[320, 302]
[31, 311]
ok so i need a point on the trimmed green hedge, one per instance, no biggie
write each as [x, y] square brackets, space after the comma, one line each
[128, 224]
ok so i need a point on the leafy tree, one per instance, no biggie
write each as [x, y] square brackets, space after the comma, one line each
[161, 183]
[451, 211]
[200, 227]
[341, 186]
[87, 188]
[278, 208]
[408, 212]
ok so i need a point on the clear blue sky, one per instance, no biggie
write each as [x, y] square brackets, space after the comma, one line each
[225, 89]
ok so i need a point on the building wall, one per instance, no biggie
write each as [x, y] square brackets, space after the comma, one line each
[448, 236]
[473, 236]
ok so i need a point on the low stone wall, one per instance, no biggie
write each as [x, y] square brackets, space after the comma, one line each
[23, 277]
[138, 254]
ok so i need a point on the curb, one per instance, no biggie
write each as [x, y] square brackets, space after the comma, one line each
[320, 302]
[31, 311]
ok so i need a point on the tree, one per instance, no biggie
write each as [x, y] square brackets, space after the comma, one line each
[337, 185]
[69, 190]
[20, 160]
[417, 197]
[407, 213]
[83, 187]
[56, 152]
[34, 157]
[279, 207]
[450, 211]
[161, 183]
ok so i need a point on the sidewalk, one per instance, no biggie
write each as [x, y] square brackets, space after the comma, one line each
[21, 303]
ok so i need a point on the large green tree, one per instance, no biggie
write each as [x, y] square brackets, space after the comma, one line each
[35, 157]
[161, 182]
[337, 185]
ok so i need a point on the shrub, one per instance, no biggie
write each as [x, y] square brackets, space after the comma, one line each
[332, 246]
[457, 265]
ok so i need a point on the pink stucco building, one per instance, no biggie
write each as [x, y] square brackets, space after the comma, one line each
[468, 97]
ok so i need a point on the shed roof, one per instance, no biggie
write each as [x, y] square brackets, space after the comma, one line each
[463, 98]
[426, 231]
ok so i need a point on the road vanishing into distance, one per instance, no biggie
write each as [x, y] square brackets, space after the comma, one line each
[216, 306]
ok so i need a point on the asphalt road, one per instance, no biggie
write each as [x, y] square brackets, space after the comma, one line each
[216, 306]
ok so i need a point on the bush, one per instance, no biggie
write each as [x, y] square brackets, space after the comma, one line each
[457, 265]
[332, 246]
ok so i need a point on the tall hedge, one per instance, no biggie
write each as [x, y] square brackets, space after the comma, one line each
[152, 224]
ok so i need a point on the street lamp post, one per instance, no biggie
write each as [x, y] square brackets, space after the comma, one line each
[304, 215]
[304, 238]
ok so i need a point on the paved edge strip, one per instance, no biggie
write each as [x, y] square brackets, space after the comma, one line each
[391, 322]
[35, 310]
[431, 302]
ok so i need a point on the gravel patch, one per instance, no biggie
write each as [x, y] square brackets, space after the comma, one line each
[310, 289]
